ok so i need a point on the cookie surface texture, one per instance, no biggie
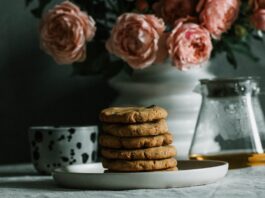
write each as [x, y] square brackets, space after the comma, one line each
[154, 153]
[139, 165]
[132, 114]
[168, 169]
[130, 130]
[110, 141]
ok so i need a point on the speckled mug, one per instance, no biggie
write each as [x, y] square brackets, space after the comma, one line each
[53, 147]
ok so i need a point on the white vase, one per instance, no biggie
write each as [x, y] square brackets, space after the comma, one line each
[165, 86]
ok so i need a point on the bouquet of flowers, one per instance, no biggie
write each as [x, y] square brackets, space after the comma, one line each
[104, 36]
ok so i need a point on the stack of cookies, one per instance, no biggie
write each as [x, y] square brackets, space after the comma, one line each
[136, 139]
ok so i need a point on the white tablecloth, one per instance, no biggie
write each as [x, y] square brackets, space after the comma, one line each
[19, 181]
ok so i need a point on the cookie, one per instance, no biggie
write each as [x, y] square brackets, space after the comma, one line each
[139, 165]
[132, 114]
[154, 153]
[143, 129]
[168, 169]
[110, 141]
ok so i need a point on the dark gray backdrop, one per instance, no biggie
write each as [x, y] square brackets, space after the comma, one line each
[36, 91]
[33, 89]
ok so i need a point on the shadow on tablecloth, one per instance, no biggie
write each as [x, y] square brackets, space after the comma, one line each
[46, 184]
[18, 170]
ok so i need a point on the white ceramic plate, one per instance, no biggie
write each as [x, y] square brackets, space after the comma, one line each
[92, 176]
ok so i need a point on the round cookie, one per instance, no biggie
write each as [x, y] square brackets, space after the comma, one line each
[114, 142]
[132, 114]
[139, 165]
[154, 153]
[143, 129]
[168, 169]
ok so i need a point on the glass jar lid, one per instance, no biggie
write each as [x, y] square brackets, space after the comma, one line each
[229, 87]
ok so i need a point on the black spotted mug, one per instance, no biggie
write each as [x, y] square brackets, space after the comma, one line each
[53, 147]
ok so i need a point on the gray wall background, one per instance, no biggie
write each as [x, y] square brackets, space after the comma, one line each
[33, 89]
[36, 91]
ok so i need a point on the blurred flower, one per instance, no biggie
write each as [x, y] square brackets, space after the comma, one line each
[171, 10]
[189, 45]
[64, 32]
[258, 19]
[135, 39]
[142, 5]
[259, 4]
[217, 16]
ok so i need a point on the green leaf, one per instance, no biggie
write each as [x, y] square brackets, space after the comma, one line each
[225, 44]
[231, 58]
[113, 68]
[113, 5]
[37, 12]
[128, 70]
[258, 38]
[98, 62]
[246, 51]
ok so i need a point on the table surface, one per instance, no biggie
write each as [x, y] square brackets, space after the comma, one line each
[19, 181]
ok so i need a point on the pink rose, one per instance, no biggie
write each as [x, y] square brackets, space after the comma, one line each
[217, 16]
[258, 19]
[171, 10]
[64, 32]
[135, 38]
[189, 45]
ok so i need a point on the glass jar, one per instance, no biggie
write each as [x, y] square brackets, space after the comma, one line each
[230, 125]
